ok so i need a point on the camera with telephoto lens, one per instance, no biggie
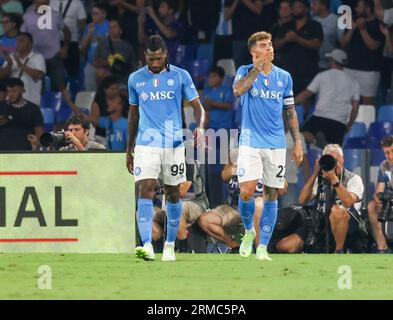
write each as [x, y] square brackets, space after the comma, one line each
[386, 213]
[55, 139]
[327, 162]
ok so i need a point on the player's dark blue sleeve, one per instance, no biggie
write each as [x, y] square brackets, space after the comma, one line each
[132, 94]
[288, 99]
[189, 91]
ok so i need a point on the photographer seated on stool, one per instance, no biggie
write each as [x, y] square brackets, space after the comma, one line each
[384, 182]
[77, 135]
[348, 190]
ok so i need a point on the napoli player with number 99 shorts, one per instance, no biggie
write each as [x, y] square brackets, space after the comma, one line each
[155, 140]
[266, 96]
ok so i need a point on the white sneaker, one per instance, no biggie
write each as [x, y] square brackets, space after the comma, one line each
[169, 252]
[247, 242]
[262, 253]
[146, 252]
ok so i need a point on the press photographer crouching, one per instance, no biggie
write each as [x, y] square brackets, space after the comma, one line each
[380, 209]
[76, 138]
[337, 193]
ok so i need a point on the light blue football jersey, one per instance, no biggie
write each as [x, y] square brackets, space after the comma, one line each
[159, 97]
[262, 124]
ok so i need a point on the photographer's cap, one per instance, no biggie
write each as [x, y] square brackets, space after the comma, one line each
[338, 55]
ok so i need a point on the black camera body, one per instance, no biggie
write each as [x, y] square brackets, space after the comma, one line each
[55, 139]
[386, 197]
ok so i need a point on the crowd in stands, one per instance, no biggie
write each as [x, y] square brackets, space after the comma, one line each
[78, 69]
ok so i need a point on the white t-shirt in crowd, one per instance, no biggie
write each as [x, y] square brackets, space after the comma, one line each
[331, 34]
[353, 183]
[75, 12]
[32, 87]
[336, 90]
[291, 169]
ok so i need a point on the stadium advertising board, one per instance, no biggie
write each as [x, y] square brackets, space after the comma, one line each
[66, 202]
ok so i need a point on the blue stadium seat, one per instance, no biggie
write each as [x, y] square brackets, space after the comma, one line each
[313, 154]
[358, 129]
[377, 156]
[300, 113]
[205, 51]
[51, 100]
[49, 118]
[184, 53]
[385, 113]
[356, 143]
[199, 70]
[354, 158]
[379, 129]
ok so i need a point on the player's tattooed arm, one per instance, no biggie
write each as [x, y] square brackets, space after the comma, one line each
[292, 123]
[133, 121]
[242, 86]
[293, 127]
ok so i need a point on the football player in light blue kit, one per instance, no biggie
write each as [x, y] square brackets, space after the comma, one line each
[266, 96]
[155, 140]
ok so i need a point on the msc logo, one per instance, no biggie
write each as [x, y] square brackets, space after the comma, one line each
[266, 228]
[268, 94]
[156, 96]
[241, 172]
[137, 171]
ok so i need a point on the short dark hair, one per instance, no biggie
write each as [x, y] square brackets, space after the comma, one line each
[170, 3]
[27, 35]
[369, 4]
[387, 141]
[156, 42]
[325, 3]
[306, 3]
[79, 119]
[15, 82]
[15, 18]
[101, 5]
[218, 70]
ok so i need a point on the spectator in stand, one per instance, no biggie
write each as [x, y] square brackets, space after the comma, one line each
[11, 23]
[114, 56]
[9, 6]
[218, 101]
[337, 105]
[162, 22]
[96, 30]
[116, 127]
[331, 32]
[19, 118]
[284, 17]
[299, 41]
[387, 68]
[108, 97]
[223, 38]
[127, 11]
[74, 15]
[246, 21]
[27, 65]
[364, 44]
[47, 42]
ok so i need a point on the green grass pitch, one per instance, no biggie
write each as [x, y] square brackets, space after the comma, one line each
[195, 276]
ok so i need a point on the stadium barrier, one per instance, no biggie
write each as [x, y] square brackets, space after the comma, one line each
[66, 202]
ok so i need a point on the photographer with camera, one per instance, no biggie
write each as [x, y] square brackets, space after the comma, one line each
[380, 208]
[332, 184]
[76, 138]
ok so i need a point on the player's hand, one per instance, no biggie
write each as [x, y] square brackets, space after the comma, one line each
[262, 60]
[130, 161]
[297, 155]
[199, 137]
